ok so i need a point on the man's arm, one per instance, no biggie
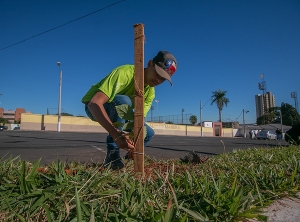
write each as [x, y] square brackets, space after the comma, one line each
[97, 110]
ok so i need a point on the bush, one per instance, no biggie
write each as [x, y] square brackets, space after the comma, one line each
[292, 136]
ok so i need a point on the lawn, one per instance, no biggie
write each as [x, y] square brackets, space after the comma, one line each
[228, 187]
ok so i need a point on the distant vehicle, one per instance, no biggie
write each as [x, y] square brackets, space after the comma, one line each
[17, 128]
[266, 135]
[3, 128]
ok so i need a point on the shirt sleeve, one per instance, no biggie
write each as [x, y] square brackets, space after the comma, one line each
[114, 83]
[148, 100]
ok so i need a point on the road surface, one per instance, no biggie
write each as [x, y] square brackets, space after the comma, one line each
[85, 147]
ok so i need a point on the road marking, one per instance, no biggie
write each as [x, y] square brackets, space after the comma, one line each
[98, 148]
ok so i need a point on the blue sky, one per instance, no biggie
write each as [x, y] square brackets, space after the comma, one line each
[218, 45]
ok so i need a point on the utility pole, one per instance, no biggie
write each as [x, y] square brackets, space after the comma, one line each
[201, 118]
[59, 98]
[201, 107]
[281, 124]
[244, 122]
[294, 95]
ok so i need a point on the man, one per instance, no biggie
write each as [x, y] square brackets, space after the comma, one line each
[278, 133]
[117, 88]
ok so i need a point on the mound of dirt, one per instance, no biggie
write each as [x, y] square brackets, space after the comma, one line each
[193, 157]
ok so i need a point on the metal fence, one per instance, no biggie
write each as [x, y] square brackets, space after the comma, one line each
[175, 119]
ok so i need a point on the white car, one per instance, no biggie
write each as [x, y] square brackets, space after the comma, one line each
[266, 135]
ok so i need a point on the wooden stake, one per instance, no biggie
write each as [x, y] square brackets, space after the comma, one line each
[138, 128]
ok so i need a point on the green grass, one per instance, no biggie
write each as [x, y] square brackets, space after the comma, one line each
[228, 187]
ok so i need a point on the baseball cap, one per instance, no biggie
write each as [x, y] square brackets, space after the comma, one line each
[165, 64]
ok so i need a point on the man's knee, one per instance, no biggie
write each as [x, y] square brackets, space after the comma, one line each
[122, 99]
[150, 132]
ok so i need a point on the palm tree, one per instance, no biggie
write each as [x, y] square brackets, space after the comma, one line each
[193, 119]
[219, 98]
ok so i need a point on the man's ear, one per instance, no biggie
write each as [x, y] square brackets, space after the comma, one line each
[150, 63]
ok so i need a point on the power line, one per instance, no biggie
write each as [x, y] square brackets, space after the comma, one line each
[240, 114]
[61, 25]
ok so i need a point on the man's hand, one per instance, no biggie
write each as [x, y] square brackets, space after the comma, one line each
[124, 142]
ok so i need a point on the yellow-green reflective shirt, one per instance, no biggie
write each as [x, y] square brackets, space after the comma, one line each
[120, 82]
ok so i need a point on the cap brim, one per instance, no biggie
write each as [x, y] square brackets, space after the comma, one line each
[160, 71]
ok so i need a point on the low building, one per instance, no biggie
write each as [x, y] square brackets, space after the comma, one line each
[12, 115]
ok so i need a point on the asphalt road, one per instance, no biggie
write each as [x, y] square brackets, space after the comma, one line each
[86, 147]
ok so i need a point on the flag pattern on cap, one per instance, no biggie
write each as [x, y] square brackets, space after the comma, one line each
[170, 66]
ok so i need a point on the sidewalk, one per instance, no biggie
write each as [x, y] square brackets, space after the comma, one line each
[283, 210]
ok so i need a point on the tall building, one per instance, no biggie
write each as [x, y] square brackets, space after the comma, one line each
[264, 103]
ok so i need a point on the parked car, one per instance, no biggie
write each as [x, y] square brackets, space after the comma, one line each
[266, 135]
[3, 128]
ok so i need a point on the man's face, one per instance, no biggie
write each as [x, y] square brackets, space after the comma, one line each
[151, 77]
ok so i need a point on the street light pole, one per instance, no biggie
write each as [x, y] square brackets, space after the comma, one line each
[152, 108]
[244, 122]
[201, 118]
[157, 101]
[59, 98]
[182, 116]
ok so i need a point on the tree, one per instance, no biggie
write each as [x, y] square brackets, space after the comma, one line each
[3, 121]
[219, 98]
[193, 119]
[266, 119]
[290, 116]
[292, 136]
